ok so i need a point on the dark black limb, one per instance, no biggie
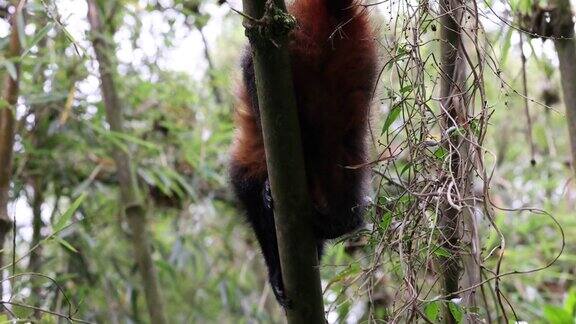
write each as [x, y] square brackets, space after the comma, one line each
[257, 201]
[269, 204]
[274, 272]
[339, 222]
[344, 202]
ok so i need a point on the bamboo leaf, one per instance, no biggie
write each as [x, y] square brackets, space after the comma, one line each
[68, 105]
[64, 243]
[20, 25]
[432, 310]
[11, 68]
[570, 302]
[442, 252]
[406, 89]
[64, 219]
[440, 153]
[506, 46]
[391, 118]
[456, 311]
[37, 38]
[407, 167]
[386, 221]
[136, 140]
[557, 315]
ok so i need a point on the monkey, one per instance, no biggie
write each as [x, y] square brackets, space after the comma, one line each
[333, 56]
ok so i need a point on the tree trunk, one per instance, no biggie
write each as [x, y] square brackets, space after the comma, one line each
[131, 199]
[7, 125]
[211, 70]
[281, 129]
[454, 111]
[563, 26]
[39, 137]
[35, 260]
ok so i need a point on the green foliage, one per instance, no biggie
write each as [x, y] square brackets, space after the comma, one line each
[392, 117]
[562, 315]
[456, 311]
[432, 311]
[178, 134]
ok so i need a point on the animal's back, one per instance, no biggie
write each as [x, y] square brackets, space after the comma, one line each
[333, 58]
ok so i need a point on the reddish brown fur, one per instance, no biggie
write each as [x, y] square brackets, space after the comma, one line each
[332, 83]
[248, 145]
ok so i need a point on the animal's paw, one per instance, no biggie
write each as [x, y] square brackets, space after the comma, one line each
[267, 195]
[279, 292]
[282, 299]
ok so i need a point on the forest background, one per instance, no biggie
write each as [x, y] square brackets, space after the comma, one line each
[173, 68]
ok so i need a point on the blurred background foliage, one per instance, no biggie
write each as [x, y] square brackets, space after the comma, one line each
[177, 70]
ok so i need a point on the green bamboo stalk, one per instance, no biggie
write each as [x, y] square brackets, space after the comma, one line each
[286, 171]
[129, 192]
